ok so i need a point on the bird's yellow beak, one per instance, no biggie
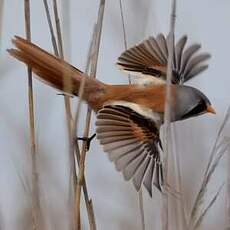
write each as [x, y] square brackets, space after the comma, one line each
[210, 109]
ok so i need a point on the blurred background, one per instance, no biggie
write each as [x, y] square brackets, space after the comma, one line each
[115, 201]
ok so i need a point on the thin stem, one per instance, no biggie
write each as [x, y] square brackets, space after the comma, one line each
[66, 33]
[69, 120]
[36, 210]
[82, 85]
[217, 140]
[124, 31]
[206, 178]
[74, 148]
[88, 116]
[58, 51]
[58, 29]
[179, 178]
[88, 202]
[204, 213]
[123, 24]
[82, 168]
[140, 194]
[53, 39]
[167, 114]
[141, 206]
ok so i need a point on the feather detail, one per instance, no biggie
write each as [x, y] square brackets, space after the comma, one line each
[195, 71]
[194, 62]
[56, 72]
[163, 45]
[149, 58]
[132, 144]
[187, 55]
[179, 50]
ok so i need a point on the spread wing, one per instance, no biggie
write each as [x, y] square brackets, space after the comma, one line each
[132, 143]
[149, 58]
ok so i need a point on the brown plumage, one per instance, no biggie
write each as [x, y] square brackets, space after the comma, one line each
[53, 70]
[128, 116]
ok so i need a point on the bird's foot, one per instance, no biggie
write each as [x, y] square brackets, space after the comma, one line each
[87, 140]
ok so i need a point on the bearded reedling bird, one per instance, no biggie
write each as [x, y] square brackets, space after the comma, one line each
[128, 117]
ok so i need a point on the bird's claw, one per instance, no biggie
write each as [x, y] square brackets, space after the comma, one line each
[87, 140]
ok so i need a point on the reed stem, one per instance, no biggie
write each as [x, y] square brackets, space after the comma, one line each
[167, 114]
[36, 209]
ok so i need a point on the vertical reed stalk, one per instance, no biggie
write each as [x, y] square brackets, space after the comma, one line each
[124, 31]
[141, 207]
[88, 115]
[82, 85]
[88, 202]
[140, 194]
[66, 37]
[36, 210]
[167, 115]
[74, 148]
[58, 51]
[67, 82]
[182, 215]
[69, 119]
[52, 34]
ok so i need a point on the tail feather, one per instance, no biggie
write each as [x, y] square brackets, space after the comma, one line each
[54, 71]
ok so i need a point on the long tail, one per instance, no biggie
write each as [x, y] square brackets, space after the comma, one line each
[57, 73]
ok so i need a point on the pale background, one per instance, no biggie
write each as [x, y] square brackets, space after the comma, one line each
[115, 201]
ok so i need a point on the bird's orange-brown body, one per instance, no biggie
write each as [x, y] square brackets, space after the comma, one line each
[141, 95]
[128, 117]
[56, 72]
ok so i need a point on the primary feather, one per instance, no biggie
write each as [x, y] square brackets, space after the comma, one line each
[149, 58]
[132, 143]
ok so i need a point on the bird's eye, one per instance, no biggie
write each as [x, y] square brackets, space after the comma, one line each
[197, 110]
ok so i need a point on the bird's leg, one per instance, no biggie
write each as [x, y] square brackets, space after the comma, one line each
[87, 139]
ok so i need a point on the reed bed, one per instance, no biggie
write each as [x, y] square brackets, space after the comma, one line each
[173, 198]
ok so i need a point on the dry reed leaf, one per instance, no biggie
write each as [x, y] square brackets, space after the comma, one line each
[219, 148]
[204, 213]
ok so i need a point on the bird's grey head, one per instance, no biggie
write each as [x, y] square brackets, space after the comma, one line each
[190, 102]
